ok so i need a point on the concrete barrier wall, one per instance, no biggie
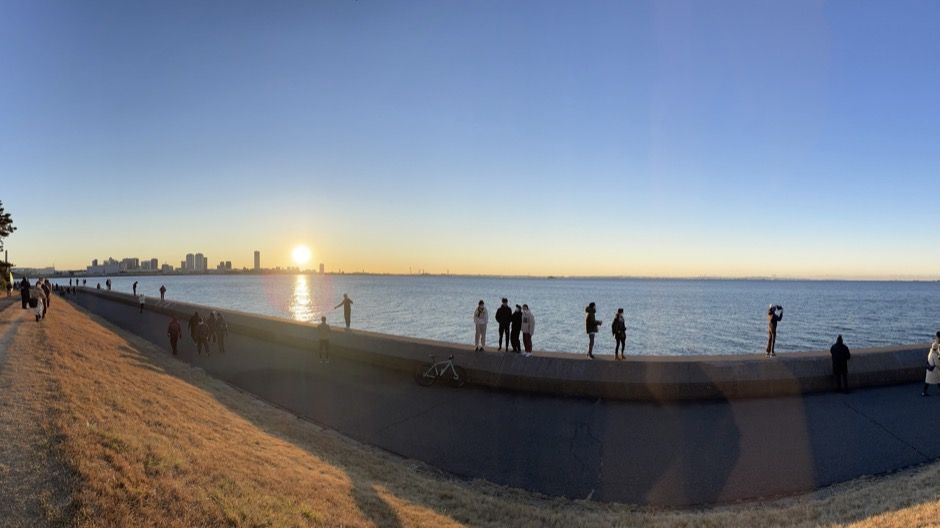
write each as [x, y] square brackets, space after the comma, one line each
[650, 378]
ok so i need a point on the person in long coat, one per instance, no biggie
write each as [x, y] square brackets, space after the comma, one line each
[840, 364]
[933, 361]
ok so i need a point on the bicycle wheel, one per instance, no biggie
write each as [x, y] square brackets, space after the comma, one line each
[457, 377]
[425, 375]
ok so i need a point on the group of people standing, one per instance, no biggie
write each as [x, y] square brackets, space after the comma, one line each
[511, 325]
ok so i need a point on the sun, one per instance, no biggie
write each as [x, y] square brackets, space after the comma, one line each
[301, 255]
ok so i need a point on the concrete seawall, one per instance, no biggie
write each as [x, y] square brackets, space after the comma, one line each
[651, 378]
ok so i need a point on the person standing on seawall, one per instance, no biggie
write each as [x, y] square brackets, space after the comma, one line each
[772, 319]
[590, 326]
[504, 318]
[108, 284]
[528, 329]
[516, 327]
[619, 329]
[134, 287]
[933, 361]
[840, 364]
[162, 292]
[481, 317]
[346, 303]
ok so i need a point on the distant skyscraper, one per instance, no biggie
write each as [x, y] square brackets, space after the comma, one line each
[321, 268]
[257, 260]
[154, 264]
[200, 262]
[190, 262]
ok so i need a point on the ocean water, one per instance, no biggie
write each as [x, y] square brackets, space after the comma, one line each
[664, 317]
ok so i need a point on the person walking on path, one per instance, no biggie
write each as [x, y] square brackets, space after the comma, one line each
[772, 319]
[46, 290]
[40, 308]
[202, 337]
[481, 317]
[134, 287]
[516, 327]
[174, 331]
[504, 318]
[324, 331]
[141, 298]
[193, 323]
[590, 325]
[221, 330]
[346, 303]
[162, 292]
[619, 329]
[528, 329]
[840, 364]
[933, 361]
[24, 292]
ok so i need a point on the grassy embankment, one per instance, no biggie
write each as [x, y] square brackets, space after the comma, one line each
[105, 429]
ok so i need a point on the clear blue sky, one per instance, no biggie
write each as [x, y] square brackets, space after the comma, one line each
[674, 138]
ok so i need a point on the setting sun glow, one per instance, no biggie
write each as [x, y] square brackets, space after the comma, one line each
[301, 254]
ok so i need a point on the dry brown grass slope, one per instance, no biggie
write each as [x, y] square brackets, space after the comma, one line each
[131, 437]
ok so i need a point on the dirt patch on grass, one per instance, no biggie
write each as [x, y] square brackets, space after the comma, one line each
[137, 438]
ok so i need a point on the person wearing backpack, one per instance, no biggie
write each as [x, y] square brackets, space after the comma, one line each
[174, 331]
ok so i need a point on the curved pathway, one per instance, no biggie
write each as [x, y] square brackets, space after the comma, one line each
[676, 454]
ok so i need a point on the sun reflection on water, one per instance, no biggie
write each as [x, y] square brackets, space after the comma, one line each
[301, 303]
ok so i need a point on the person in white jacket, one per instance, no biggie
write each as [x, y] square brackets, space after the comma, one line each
[933, 362]
[528, 328]
[480, 317]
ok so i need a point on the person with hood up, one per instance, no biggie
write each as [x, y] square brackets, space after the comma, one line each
[504, 318]
[481, 317]
[840, 364]
[590, 325]
[516, 327]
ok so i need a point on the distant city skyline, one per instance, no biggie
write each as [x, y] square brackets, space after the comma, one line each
[646, 138]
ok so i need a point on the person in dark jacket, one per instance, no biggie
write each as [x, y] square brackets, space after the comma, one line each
[590, 326]
[619, 328]
[515, 326]
[221, 330]
[174, 331]
[24, 292]
[772, 320]
[840, 364]
[202, 337]
[504, 318]
[193, 322]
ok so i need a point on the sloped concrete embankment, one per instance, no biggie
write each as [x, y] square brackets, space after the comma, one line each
[657, 378]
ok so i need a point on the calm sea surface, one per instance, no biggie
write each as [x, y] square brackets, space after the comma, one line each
[664, 317]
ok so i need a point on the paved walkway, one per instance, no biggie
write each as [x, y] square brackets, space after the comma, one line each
[643, 453]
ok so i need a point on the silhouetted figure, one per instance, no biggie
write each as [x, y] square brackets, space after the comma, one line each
[346, 303]
[193, 322]
[202, 337]
[840, 364]
[221, 330]
[619, 328]
[514, 328]
[504, 319]
[324, 332]
[590, 325]
[162, 292]
[134, 286]
[24, 292]
[772, 319]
